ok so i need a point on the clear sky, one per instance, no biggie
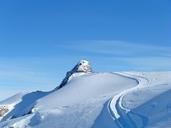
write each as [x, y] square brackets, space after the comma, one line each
[42, 39]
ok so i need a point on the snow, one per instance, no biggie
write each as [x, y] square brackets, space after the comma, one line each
[85, 87]
[20, 104]
[95, 100]
[150, 103]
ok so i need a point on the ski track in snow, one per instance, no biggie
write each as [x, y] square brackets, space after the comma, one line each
[118, 111]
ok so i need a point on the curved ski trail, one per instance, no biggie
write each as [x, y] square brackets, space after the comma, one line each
[118, 110]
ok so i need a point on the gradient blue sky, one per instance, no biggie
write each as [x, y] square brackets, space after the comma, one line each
[42, 39]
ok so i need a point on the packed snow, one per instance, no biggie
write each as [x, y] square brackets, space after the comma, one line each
[86, 99]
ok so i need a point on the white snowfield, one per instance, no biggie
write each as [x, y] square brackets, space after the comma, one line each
[95, 100]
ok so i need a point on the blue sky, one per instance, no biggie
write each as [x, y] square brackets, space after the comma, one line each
[42, 39]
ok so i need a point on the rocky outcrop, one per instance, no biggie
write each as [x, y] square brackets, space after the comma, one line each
[3, 109]
[83, 66]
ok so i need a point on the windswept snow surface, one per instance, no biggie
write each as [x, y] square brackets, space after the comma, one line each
[98, 100]
[83, 88]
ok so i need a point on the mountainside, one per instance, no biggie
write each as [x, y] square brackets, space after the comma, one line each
[86, 99]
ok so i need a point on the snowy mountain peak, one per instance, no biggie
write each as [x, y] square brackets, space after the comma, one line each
[82, 67]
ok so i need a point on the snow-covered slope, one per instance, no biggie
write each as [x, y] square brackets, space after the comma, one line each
[19, 105]
[149, 104]
[86, 99]
[83, 88]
